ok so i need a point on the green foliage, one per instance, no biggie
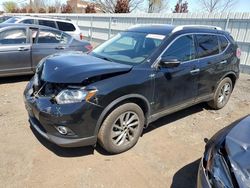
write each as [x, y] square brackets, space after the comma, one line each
[9, 6]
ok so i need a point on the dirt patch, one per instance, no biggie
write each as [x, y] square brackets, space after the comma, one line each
[167, 155]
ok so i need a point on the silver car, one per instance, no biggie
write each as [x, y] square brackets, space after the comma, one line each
[23, 46]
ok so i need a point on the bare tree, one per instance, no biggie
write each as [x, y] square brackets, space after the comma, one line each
[58, 5]
[108, 6]
[38, 4]
[156, 6]
[90, 8]
[181, 7]
[66, 8]
[122, 6]
[217, 5]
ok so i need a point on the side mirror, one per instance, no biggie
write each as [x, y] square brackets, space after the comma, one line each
[169, 62]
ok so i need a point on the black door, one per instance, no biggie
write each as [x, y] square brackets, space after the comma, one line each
[177, 86]
[212, 62]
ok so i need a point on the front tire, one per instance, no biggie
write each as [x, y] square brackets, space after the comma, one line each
[222, 94]
[122, 128]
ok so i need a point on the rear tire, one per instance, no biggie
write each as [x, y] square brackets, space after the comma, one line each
[222, 94]
[122, 128]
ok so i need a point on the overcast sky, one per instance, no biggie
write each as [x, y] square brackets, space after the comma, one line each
[240, 6]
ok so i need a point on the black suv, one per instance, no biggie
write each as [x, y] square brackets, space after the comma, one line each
[131, 80]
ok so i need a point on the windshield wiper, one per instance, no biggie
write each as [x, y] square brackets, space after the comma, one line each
[106, 58]
[102, 57]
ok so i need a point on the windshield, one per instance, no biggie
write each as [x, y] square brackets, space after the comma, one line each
[12, 20]
[129, 47]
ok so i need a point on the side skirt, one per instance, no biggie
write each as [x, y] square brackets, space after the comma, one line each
[158, 115]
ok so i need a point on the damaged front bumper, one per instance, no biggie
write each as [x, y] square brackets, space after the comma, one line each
[202, 180]
[79, 119]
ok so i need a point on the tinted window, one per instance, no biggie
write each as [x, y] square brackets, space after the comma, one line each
[47, 23]
[28, 21]
[207, 45]
[182, 49]
[13, 36]
[64, 26]
[47, 36]
[223, 43]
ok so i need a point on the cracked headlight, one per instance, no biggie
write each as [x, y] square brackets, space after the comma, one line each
[69, 96]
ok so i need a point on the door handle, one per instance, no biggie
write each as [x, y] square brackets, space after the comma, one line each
[195, 71]
[223, 62]
[22, 49]
[60, 47]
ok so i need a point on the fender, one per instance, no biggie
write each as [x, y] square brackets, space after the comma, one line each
[228, 73]
[115, 102]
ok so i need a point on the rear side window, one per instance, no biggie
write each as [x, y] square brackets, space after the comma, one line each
[64, 26]
[47, 36]
[207, 45]
[223, 43]
[13, 36]
[182, 49]
[28, 21]
[47, 23]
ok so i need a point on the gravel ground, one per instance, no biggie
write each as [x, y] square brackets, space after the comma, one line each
[167, 155]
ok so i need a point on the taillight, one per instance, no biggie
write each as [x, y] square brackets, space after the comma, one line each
[88, 47]
[81, 36]
[238, 53]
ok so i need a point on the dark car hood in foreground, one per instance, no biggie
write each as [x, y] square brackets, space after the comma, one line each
[237, 144]
[76, 67]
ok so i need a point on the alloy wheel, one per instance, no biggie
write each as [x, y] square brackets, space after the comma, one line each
[125, 128]
[224, 94]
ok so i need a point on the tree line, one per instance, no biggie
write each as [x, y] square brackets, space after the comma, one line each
[116, 6]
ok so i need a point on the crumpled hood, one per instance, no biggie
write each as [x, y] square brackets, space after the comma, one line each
[76, 67]
[237, 144]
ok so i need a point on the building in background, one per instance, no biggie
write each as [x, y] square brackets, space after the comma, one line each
[80, 6]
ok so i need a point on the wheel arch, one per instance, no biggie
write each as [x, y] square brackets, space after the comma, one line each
[135, 98]
[232, 76]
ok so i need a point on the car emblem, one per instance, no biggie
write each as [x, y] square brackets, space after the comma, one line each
[55, 68]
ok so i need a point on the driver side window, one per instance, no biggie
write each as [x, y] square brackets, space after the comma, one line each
[183, 49]
[13, 36]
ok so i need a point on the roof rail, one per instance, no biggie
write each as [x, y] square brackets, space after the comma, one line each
[181, 27]
[48, 16]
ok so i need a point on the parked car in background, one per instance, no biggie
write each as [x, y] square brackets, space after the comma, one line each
[226, 160]
[129, 81]
[65, 25]
[23, 46]
[4, 18]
